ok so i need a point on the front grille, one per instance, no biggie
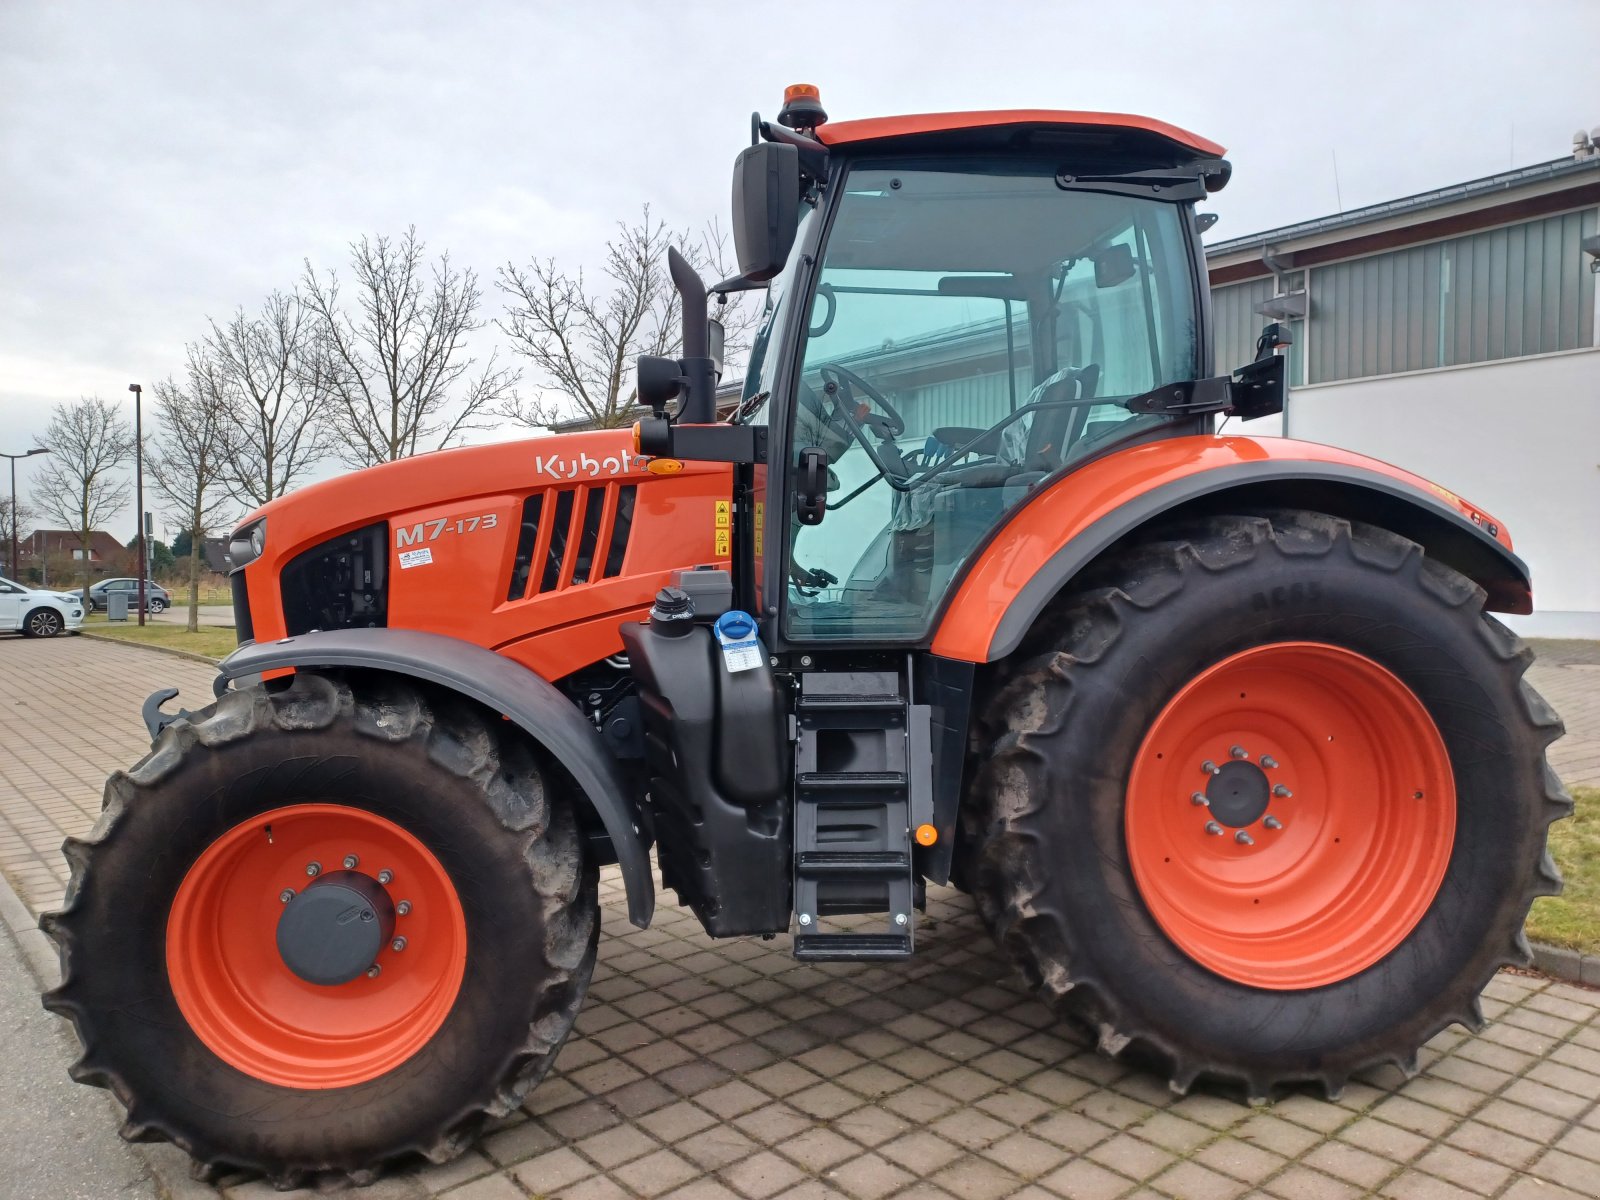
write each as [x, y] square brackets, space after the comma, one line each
[571, 536]
[340, 584]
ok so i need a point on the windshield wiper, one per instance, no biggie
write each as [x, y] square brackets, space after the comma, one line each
[749, 406]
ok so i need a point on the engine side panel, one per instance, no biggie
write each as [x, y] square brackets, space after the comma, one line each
[539, 549]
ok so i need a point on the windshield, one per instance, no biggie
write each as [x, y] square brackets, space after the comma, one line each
[975, 329]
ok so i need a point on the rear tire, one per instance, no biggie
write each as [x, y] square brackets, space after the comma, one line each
[154, 905]
[1063, 832]
[158, 605]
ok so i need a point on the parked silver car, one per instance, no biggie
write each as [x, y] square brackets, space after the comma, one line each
[157, 598]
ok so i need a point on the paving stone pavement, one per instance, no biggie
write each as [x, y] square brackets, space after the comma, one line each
[702, 1070]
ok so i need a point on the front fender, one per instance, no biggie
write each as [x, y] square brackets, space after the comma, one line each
[1062, 527]
[502, 686]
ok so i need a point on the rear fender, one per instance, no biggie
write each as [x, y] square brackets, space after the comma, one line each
[1065, 526]
[500, 685]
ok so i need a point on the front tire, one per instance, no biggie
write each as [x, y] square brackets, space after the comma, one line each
[42, 623]
[174, 967]
[1235, 926]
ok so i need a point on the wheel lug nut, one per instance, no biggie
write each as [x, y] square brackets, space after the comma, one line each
[385, 876]
[1280, 790]
[350, 861]
[1244, 839]
[398, 945]
[403, 907]
[1273, 823]
[1210, 768]
[1198, 799]
[1239, 752]
[1268, 761]
[286, 895]
[313, 869]
[1213, 828]
[372, 971]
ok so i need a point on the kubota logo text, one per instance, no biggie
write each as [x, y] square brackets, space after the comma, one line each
[586, 466]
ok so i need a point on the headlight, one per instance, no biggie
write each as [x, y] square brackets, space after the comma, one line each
[248, 544]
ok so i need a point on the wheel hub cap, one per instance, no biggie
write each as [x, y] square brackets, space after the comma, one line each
[1238, 794]
[333, 931]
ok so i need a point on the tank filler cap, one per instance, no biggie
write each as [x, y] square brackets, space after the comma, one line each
[673, 612]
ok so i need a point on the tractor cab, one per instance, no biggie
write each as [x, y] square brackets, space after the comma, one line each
[960, 310]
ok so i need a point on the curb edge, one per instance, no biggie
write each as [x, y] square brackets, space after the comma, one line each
[173, 651]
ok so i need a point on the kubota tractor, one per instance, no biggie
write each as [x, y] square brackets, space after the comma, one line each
[967, 587]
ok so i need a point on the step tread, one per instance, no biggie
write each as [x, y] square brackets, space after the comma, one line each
[852, 862]
[846, 779]
[851, 947]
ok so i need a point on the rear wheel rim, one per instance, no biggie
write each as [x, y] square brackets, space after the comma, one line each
[1290, 815]
[244, 1002]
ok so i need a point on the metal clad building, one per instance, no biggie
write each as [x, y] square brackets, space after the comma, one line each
[1455, 333]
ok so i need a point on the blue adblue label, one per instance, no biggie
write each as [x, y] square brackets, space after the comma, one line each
[736, 634]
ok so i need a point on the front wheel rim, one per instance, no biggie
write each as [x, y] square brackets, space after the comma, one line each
[244, 1002]
[44, 624]
[1290, 815]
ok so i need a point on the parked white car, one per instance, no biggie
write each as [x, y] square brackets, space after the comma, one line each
[36, 613]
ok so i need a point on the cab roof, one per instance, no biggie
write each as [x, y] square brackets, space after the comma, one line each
[1020, 128]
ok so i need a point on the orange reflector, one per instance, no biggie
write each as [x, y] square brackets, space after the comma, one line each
[927, 835]
[663, 466]
[637, 434]
[799, 91]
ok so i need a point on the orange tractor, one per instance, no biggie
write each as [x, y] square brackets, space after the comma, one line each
[966, 587]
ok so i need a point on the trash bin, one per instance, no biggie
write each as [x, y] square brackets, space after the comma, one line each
[116, 606]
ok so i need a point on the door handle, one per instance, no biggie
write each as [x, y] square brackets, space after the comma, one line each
[811, 490]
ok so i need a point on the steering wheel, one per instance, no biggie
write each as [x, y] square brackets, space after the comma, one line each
[844, 383]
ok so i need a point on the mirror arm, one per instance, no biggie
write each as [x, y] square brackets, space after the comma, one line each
[813, 154]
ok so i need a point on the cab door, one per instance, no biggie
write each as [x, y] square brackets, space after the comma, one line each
[973, 330]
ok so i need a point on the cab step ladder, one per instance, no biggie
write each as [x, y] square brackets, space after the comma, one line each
[862, 763]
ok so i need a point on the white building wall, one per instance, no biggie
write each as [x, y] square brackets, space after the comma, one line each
[1521, 438]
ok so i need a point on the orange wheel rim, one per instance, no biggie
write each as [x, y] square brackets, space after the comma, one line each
[1290, 815]
[256, 1014]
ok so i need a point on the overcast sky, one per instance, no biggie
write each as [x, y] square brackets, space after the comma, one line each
[163, 161]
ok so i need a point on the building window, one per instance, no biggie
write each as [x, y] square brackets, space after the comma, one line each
[1503, 293]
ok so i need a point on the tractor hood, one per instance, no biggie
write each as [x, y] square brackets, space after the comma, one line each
[502, 545]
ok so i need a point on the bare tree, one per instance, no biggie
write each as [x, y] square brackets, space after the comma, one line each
[583, 341]
[277, 394]
[397, 367]
[190, 461]
[80, 486]
[15, 520]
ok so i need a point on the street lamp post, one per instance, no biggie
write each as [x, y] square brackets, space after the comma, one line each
[138, 475]
[13, 457]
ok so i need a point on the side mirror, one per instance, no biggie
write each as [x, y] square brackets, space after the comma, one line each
[1113, 265]
[716, 336]
[766, 208]
[660, 380]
